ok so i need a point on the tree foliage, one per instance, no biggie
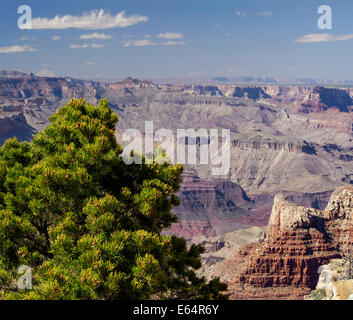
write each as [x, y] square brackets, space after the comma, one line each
[88, 225]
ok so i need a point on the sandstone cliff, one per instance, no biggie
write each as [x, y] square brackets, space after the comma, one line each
[284, 262]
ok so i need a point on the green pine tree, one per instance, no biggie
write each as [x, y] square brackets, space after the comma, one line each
[88, 225]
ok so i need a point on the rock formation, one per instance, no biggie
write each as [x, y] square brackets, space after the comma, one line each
[284, 262]
[335, 281]
[292, 249]
[212, 208]
[129, 83]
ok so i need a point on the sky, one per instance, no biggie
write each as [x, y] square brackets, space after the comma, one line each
[178, 39]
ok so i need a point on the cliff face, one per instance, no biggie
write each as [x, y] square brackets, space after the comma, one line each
[296, 243]
[211, 207]
[254, 93]
[214, 207]
[47, 92]
[293, 247]
[15, 125]
[275, 147]
[324, 98]
[319, 123]
[34, 99]
[284, 263]
[130, 83]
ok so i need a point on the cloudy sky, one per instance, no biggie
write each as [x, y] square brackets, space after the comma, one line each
[178, 38]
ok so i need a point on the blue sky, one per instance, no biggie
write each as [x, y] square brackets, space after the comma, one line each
[183, 38]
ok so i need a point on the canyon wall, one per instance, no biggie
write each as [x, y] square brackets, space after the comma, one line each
[291, 139]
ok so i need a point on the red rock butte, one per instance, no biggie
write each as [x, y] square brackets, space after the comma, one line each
[284, 262]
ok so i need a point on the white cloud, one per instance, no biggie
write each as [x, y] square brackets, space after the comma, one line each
[96, 45]
[89, 63]
[323, 37]
[93, 20]
[240, 13]
[266, 13]
[95, 35]
[45, 73]
[131, 36]
[170, 35]
[27, 39]
[79, 46]
[17, 48]
[56, 38]
[174, 43]
[138, 43]
[86, 45]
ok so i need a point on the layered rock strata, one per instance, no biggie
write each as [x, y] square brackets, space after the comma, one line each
[284, 263]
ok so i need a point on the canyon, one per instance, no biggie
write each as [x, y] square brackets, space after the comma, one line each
[274, 218]
[291, 139]
[294, 139]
